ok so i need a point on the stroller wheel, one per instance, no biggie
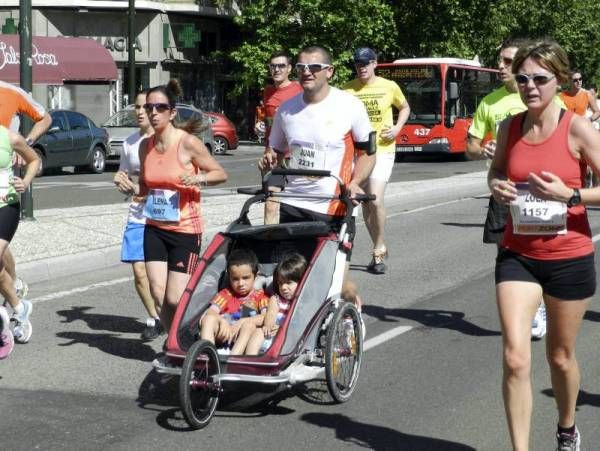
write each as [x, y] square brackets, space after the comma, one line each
[198, 392]
[343, 353]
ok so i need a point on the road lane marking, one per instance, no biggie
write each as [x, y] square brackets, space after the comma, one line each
[65, 293]
[386, 336]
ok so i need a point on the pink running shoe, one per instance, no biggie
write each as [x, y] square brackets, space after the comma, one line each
[7, 341]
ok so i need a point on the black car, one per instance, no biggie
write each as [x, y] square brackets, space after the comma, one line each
[72, 140]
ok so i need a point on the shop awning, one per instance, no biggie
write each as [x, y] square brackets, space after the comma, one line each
[57, 60]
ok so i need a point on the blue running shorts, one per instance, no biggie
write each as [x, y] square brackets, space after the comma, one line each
[132, 249]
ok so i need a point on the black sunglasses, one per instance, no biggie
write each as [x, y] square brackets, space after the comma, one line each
[575, 80]
[160, 107]
[538, 79]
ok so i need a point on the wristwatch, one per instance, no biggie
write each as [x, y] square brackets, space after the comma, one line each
[575, 198]
[29, 142]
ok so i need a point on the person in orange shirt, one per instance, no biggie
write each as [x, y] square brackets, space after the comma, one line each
[578, 99]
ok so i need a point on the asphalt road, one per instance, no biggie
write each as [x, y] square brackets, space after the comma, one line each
[67, 189]
[432, 383]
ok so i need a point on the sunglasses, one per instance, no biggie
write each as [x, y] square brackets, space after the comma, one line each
[280, 66]
[577, 80]
[538, 79]
[160, 107]
[313, 67]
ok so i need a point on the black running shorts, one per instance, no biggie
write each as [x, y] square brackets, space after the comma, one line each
[180, 250]
[570, 279]
[9, 220]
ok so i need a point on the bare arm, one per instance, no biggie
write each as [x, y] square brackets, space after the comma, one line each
[32, 161]
[593, 107]
[403, 113]
[212, 172]
[362, 170]
[40, 127]
[503, 190]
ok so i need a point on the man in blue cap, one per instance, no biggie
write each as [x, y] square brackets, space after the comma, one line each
[379, 97]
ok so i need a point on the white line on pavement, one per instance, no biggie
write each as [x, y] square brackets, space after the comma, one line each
[386, 336]
[61, 294]
[428, 207]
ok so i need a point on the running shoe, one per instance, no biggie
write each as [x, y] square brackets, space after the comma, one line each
[7, 342]
[23, 328]
[538, 326]
[153, 329]
[377, 266]
[21, 288]
[568, 442]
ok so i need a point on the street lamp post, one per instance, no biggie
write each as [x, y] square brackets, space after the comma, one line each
[26, 85]
[131, 50]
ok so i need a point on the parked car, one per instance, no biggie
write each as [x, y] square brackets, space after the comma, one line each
[122, 124]
[72, 140]
[226, 137]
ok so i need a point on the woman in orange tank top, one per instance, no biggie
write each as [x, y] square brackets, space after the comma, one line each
[539, 169]
[174, 166]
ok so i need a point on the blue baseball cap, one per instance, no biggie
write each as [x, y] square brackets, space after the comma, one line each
[364, 55]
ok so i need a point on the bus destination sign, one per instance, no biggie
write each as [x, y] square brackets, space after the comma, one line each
[406, 73]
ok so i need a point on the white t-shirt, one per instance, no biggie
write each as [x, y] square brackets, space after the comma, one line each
[130, 163]
[320, 136]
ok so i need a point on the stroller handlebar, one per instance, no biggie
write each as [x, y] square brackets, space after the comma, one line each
[304, 172]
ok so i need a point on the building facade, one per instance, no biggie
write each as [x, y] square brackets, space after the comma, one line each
[173, 39]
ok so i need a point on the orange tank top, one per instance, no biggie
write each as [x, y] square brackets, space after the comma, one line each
[551, 155]
[162, 171]
[577, 103]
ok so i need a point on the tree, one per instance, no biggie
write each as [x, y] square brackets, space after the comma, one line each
[339, 26]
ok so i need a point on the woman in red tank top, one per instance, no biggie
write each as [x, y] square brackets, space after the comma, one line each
[174, 165]
[539, 170]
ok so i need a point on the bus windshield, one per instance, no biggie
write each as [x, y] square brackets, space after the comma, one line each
[422, 87]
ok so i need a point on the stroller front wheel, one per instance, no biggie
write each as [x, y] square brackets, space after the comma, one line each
[198, 391]
[343, 352]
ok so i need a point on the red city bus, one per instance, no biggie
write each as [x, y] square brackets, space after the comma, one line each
[443, 94]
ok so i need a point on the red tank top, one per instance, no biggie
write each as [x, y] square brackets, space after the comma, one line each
[551, 155]
[162, 170]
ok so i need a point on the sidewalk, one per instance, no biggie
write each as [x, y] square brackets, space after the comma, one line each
[62, 242]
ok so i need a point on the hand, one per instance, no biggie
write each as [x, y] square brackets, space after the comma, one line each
[268, 160]
[388, 133]
[18, 184]
[504, 191]
[269, 328]
[489, 149]
[549, 187]
[353, 190]
[124, 183]
[192, 180]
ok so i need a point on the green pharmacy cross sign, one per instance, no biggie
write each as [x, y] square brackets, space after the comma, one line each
[188, 36]
[9, 26]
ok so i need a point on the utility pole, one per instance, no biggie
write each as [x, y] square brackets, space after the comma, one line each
[131, 50]
[26, 85]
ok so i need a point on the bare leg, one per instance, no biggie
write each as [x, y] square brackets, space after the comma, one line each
[374, 212]
[7, 285]
[9, 263]
[564, 321]
[272, 207]
[209, 327]
[157, 272]
[246, 331]
[255, 342]
[142, 286]
[517, 303]
[176, 283]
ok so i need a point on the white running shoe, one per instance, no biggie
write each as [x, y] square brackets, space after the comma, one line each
[538, 326]
[567, 442]
[23, 328]
[21, 288]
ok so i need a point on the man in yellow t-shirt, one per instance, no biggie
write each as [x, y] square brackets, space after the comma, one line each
[379, 97]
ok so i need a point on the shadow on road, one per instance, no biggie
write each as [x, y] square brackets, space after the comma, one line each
[160, 393]
[99, 321]
[590, 315]
[446, 319]
[465, 225]
[378, 438]
[584, 398]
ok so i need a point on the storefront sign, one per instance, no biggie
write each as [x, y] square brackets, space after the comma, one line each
[8, 56]
[116, 43]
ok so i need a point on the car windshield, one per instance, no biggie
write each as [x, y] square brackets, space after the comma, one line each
[124, 118]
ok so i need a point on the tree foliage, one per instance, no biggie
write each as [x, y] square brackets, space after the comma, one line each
[406, 28]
